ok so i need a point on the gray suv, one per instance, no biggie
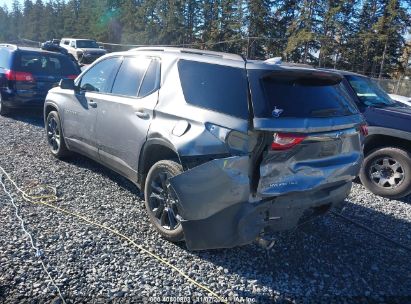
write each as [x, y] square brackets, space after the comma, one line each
[224, 149]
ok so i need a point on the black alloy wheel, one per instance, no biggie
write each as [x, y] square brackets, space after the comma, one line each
[161, 201]
[54, 134]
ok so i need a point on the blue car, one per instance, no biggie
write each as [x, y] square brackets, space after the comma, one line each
[27, 74]
[386, 170]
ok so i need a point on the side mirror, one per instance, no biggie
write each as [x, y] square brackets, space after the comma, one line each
[67, 84]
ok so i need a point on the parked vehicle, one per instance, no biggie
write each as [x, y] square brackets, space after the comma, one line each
[52, 46]
[26, 75]
[223, 149]
[402, 99]
[85, 51]
[387, 166]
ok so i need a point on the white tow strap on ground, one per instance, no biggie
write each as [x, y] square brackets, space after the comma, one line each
[39, 253]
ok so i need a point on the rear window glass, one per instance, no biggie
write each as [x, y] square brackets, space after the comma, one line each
[130, 75]
[215, 87]
[45, 64]
[300, 96]
[151, 79]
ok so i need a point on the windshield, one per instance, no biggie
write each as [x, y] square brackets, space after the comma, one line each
[89, 44]
[368, 91]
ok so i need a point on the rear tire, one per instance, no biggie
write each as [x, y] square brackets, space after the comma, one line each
[160, 200]
[386, 172]
[4, 111]
[54, 136]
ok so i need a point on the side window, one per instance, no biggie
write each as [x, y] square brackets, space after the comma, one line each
[130, 75]
[66, 42]
[151, 80]
[215, 87]
[73, 44]
[99, 77]
[4, 58]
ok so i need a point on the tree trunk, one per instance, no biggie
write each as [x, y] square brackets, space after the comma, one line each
[383, 59]
[305, 52]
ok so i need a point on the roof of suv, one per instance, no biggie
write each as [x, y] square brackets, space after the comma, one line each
[14, 47]
[77, 39]
[238, 59]
[174, 50]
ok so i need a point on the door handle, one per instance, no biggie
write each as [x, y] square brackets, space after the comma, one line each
[92, 104]
[142, 115]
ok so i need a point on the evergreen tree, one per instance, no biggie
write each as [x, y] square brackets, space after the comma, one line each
[365, 36]
[302, 32]
[259, 24]
[4, 24]
[16, 20]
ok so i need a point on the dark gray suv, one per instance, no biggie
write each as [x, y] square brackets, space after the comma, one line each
[224, 149]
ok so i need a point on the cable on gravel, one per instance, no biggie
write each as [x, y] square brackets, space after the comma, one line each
[48, 200]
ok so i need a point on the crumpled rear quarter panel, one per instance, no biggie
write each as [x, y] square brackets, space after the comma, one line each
[218, 209]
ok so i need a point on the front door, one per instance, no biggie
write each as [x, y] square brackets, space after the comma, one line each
[81, 107]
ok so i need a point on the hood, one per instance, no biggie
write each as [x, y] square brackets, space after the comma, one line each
[397, 117]
[400, 98]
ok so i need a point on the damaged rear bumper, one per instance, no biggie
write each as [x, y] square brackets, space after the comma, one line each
[218, 210]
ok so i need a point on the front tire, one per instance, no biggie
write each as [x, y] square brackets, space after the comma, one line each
[160, 200]
[387, 172]
[54, 135]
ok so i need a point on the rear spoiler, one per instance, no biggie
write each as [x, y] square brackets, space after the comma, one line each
[306, 75]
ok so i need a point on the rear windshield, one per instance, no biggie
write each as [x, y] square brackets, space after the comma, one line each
[41, 63]
[219, 88]
[305, 95]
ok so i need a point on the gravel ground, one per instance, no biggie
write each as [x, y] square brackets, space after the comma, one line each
[327, 260]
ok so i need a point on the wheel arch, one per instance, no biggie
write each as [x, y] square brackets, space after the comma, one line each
[51, 106]
[154, 150]
[376, 141]
[48, 107]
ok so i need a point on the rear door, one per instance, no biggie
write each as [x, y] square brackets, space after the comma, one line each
[125, 115]
[311, 127]
[80, 113]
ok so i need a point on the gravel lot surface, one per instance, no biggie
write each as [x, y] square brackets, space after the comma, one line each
[327, 260]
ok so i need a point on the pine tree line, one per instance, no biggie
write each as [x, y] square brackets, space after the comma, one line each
[365, 36]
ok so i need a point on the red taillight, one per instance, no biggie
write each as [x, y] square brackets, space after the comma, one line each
[71, 76]
[284, 141]
[364, 129]
[19, 76]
